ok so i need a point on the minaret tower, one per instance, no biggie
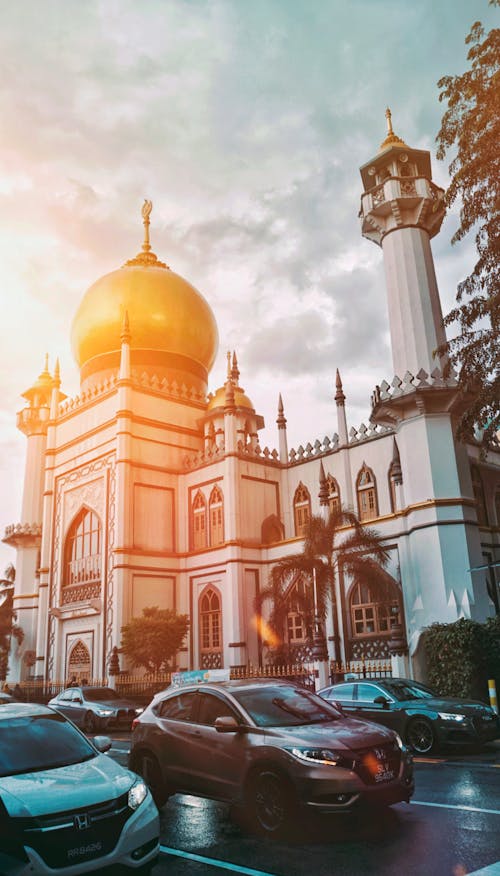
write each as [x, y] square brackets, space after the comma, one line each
[33, 420]
[401, 210]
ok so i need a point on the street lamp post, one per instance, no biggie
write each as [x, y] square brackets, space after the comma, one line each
[319, 649]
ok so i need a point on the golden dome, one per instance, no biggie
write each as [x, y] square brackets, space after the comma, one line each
[218, 399]
[172, 327]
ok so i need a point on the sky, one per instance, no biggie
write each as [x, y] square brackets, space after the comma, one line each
[245, 124]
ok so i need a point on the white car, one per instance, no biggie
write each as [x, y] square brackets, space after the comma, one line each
[65, 806]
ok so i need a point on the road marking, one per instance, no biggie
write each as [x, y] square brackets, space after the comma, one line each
[213, 862]
[492, 870]
[454, 806]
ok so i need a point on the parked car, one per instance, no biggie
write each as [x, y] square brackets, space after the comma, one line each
[95, 708]
[271, 747]
[423, 719]
[64, 805]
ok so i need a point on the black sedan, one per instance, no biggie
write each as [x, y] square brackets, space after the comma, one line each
[423, 719]
[95, 708]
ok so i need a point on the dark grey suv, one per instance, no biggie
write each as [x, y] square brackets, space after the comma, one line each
[269, 746]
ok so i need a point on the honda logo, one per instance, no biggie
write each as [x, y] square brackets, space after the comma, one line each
[82, 821]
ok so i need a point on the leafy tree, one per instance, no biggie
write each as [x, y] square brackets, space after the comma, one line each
[471, 125]
[153, 639]
[327, 550]
[8, 626]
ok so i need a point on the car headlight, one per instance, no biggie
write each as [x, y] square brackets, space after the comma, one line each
[104, 713]
[137, 794]
[139, 710]
[316, 755]
[446, 716]
[399, 741]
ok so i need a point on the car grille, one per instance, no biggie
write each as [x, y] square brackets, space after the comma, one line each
[59, 841]
[378, 764]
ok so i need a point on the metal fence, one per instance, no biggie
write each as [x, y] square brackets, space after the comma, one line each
[143, 688]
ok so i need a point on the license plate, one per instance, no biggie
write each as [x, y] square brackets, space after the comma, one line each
[86, 850]
[384, 776]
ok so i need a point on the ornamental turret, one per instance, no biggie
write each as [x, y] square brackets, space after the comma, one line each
[401, 210]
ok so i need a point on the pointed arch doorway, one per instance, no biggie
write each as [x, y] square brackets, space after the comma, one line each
[79, 662]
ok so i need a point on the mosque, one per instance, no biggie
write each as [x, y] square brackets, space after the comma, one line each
[147, 489]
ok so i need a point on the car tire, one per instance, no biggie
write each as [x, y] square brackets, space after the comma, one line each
[147, 766]
[420, 735]
[90, 723]
[270, 802]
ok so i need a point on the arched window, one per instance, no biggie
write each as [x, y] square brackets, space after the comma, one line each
[478, 490]
[216, 512]
[373, 613]
[333, 494]
[79, 665]
[83, 548]
[199, 521]
[210, 630]
[299, 626]
[301, 509]
[367, 494]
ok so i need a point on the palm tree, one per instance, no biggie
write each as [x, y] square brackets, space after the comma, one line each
[327, 550]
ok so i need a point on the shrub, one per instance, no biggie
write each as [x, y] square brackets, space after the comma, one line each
[462, 656]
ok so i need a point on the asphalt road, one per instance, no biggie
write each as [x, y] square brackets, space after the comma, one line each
[451, 828]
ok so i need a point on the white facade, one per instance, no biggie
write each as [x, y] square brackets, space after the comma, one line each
[144, 491]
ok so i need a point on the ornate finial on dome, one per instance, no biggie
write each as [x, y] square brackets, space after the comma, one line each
[228, 357]
[339, 395]
[392, 139]
[146, 258]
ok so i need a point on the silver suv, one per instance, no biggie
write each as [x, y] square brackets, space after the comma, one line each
[270, 746]
[64, 806]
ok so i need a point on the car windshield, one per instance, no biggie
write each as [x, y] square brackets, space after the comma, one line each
[31, 743]
[408, 690]
[99, 693]
[283, 706]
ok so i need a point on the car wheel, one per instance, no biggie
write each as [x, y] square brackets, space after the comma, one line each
[270, 802]
[90, 722]
[420, 735]
[147, 766]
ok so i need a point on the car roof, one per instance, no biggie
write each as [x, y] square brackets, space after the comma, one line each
[388, 680]
[22, 710]
[230, 686]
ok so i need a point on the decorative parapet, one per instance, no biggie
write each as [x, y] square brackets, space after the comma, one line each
[170, 389]
[217, 452]
[410, 385]
[425, 391]
[17, 533]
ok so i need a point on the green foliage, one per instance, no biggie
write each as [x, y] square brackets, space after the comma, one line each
[471, 126]
[152, 640]
[462, 656]
[327, 550]
[8, 627]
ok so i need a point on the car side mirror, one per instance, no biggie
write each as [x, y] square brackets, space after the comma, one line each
[102, 743]
[382, 701]
[226, 724]
[77, 700]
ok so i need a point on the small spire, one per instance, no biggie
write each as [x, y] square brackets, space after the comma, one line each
[339, 395]
[57, 373]
[281, 421]
[46, 366]
[229, 403]
[391, 139]
[125, 334]
[323, 486]
[228, 368]
[235, 372]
